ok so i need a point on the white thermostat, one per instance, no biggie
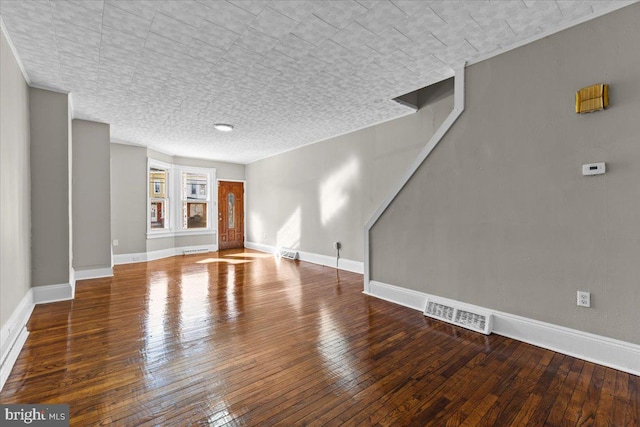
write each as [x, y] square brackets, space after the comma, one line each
[593, 169]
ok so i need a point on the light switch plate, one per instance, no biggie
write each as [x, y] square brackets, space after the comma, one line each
[593, 169]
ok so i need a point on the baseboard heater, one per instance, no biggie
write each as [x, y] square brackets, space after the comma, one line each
[195, 251]
[469, 318]
[288, 253]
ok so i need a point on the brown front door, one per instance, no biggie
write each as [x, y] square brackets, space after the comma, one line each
[230, 215]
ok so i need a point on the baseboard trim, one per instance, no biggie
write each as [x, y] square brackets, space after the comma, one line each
[351, 265]
[261, 247]
[12, 356]
[613, 353]
[13, 335]
[132, 258]
[53, 293]
[95, 273]
[161, 254]
[328, 261]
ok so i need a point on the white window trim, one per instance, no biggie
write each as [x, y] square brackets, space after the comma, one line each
[174, 197]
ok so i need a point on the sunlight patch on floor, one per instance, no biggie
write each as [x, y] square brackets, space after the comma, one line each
[222, 260]
[250, 255]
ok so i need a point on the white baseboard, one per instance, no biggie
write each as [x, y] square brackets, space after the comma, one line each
[162, 253]
[95, 273]
[13, 335]
[12, 356]
[617, 354]
[351, 265]
[395, 294]
[261, 247]
[119, 259]
[53, 293]
[343, 264]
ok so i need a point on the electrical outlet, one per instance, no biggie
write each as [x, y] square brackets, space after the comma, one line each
[115, 242]
[336, 245]
[584, 299]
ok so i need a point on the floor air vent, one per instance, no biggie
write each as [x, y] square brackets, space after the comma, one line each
[461, 316]
[195, 251]
[288, 253]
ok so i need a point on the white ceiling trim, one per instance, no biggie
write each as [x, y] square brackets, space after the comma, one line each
[603, 11]
[14, 52]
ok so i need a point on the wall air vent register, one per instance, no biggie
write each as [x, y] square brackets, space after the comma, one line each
[458, 315]
[288, 253]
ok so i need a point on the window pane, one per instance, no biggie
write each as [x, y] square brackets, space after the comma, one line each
[231, 210]
[157, 183]
[158, 197]
[157, 214]
[194, 186]
[195, 214]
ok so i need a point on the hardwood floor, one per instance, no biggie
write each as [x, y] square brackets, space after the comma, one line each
[241, 339]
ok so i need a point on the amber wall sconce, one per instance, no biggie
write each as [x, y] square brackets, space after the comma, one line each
[592, 98]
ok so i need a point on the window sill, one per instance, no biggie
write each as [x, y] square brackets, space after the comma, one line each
[159, 234]
[165, 234]
[194, 232]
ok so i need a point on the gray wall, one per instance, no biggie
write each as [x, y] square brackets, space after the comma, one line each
[129, 195]
[15, 189]
[50, 187]
[128, 198]
[325, 192]
[500, 216]
[91, 195]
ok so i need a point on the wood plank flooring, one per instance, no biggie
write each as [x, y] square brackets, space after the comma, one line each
[239, 338]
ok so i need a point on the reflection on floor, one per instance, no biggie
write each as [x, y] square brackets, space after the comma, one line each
[243, 338]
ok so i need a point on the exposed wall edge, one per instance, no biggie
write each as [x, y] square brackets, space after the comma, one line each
[616, 354]
[343, 264]
[458, 108]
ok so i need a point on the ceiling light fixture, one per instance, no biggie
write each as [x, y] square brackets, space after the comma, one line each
[223, 127]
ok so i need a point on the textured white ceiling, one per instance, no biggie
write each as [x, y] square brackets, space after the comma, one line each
[284, 73]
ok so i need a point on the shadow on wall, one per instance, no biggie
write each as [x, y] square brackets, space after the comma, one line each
[333, 190]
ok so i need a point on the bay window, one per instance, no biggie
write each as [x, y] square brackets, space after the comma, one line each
[179, 200]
